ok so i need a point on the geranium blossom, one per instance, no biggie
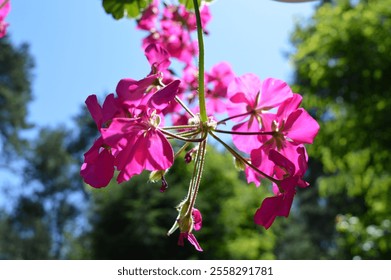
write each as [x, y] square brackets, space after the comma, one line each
[249, 100]
[290, 177]
[290, 126]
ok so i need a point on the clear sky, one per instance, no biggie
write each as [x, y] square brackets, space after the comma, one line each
[79, 50]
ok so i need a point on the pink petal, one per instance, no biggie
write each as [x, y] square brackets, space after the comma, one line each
[247, 143]
[98, 167]
[301, 127]
[197, 218]
[5, 9]
[164, 96]
[192, 239]
[273, 93]
[260, 159]
[94, 109]
[289, 106]
[158, 57]
[249, 84]
[282, 161]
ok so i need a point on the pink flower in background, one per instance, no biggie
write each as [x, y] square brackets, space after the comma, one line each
[149, 17]
[218, 80]
[176, 24]
[4, 10]
[249, 100]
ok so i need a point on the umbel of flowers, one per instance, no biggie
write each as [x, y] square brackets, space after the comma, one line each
[137, 123]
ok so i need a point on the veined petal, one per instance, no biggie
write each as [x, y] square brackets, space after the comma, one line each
[95, 109]
[290, 105]
[273, 93]
[98, 167]
[247, 143]
[161, 99]
[282, 161]
[301, 127]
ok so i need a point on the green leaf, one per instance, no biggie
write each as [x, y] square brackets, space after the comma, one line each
[121, 8]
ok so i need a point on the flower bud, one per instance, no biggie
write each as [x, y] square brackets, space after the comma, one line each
[156, 175]
[239, 164]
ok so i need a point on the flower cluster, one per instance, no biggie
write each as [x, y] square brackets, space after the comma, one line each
[136, 125]
[5, 7]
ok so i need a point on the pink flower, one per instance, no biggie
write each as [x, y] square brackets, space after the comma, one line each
[191, 238]
[98, 167]
[4, 10]
[278, 205]
[197, 219]
[290, 177]
[158, 57]
[137, 142]
[149, 17]
[291, 127]
[218, 80]
[186, 226]
[249, 100]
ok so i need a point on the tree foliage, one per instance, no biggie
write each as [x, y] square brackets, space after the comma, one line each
[342, 68]
[15, 93]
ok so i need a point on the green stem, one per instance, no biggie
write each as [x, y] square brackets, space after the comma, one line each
[201, 63]
[244, 133]
[176, 136]
[238, 156]
[196, 180]
[233, 117]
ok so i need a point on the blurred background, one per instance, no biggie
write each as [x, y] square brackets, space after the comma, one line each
[337, 54]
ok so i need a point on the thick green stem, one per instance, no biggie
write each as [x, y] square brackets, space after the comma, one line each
[201, 63]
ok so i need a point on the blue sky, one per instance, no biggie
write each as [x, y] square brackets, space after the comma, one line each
[79, 50]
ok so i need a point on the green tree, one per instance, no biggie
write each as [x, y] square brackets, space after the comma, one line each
[15, 93]
[342, 67]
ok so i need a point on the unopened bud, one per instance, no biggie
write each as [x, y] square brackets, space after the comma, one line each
[189, 154]
[164, 186]
[156, 175]
[239, 164]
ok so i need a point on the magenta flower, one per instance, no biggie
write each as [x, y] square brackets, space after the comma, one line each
[140, 145]
[149, 17]
[158, 57]
[98, 167]
[197, 219]
[290, 127]
[137, 142]
[186, 226]
[250, 99]
[218, 80]
[290, 177]
[191, 238]
[4, 10]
